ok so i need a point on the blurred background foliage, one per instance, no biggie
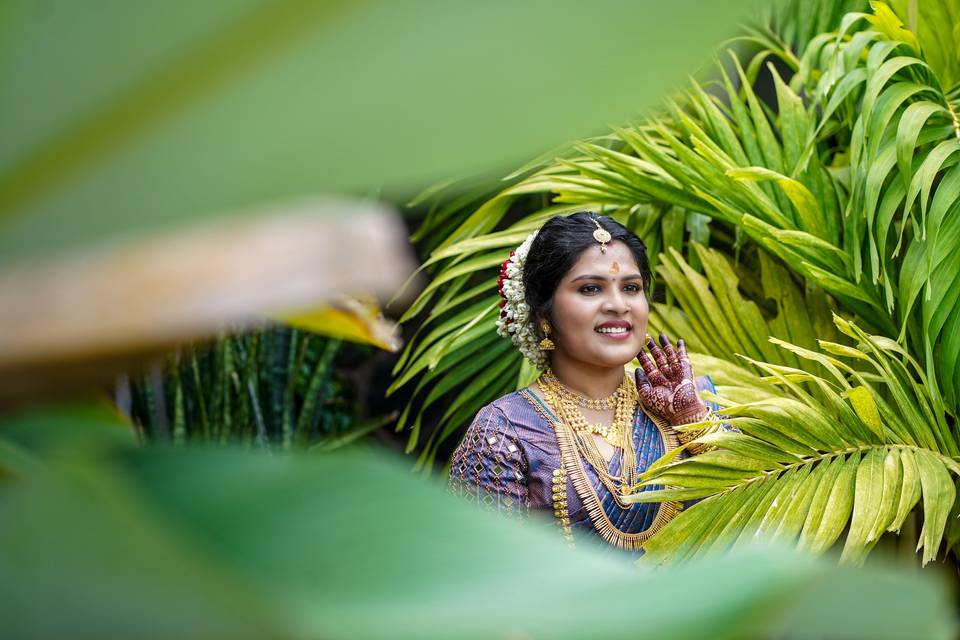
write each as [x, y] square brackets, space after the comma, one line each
[272, 388]
[634, 175]
[797, 202]
[345, 97]
[166, 172]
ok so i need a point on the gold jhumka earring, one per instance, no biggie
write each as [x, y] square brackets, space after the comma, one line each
[546, 344]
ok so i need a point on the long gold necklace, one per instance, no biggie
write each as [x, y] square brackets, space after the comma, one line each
[619, 434]
[572, 470]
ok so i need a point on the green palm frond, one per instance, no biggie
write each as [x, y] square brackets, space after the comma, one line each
[837, 194]
[797, 22]
[717, 318]
[271, 387]
[853, 181]
[878, 91]
[862, 452]
[935, 25]
[765, 175]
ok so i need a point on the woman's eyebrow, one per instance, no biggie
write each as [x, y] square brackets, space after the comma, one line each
[629, 276]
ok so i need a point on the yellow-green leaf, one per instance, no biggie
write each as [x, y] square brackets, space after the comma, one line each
[866, 407]
[353, 319]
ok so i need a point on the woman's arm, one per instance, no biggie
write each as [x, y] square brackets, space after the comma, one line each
[489, 466]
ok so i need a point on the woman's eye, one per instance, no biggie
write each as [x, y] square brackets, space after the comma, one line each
[633, 288]
[589, 288]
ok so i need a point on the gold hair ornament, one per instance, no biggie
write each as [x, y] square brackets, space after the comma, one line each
[601, 235]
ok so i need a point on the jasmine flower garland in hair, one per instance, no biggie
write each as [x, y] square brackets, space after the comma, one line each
[515, 321]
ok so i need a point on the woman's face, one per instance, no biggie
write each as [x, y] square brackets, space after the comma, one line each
[600, 308]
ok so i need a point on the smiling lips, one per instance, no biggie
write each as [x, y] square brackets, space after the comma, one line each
[615, 329]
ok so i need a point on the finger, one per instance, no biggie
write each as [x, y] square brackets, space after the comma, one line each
[646, 363]
[675, 369]
[658, 356]
[641, 378]
[654, 374]
[684, 360]
[668, 349]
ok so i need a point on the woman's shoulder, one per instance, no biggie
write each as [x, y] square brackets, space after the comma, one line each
[517, 412]
[508, 403]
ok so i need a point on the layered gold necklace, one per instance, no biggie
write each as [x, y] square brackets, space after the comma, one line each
[565, 403]
[577, 444]
[582, 401]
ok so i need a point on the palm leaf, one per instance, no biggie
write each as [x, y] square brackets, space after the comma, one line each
[867, 470]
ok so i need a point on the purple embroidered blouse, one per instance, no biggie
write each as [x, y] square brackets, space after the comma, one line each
[508, 455]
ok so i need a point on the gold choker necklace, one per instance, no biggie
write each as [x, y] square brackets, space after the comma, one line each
[582, 401]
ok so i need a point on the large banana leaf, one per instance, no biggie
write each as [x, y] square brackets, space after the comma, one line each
[102, 539]
[125, 120]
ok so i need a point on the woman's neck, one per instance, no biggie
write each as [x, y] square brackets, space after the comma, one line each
[590, 380]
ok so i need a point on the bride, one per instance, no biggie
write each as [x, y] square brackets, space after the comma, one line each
[575, 442]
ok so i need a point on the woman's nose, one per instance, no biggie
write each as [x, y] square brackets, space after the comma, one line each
[616, 302]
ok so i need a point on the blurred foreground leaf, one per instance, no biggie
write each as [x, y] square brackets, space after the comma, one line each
[157, 543]
[80, 320]
[135, 116]
[936, 25]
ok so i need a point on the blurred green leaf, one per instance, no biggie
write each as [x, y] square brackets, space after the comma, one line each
[130, 117]
[937, 26]
[154, 543]
[349, 318]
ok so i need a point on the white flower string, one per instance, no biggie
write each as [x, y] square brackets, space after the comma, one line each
[515, 321]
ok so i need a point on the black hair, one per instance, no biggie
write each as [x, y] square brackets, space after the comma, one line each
[556, 249]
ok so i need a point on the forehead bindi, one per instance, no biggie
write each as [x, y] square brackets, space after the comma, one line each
[616, 261]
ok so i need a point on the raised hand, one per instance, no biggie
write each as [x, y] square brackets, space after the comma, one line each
[665, 383]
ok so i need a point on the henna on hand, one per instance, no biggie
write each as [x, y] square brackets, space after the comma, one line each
[675, 372]
[666, 384]
[651, 370]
